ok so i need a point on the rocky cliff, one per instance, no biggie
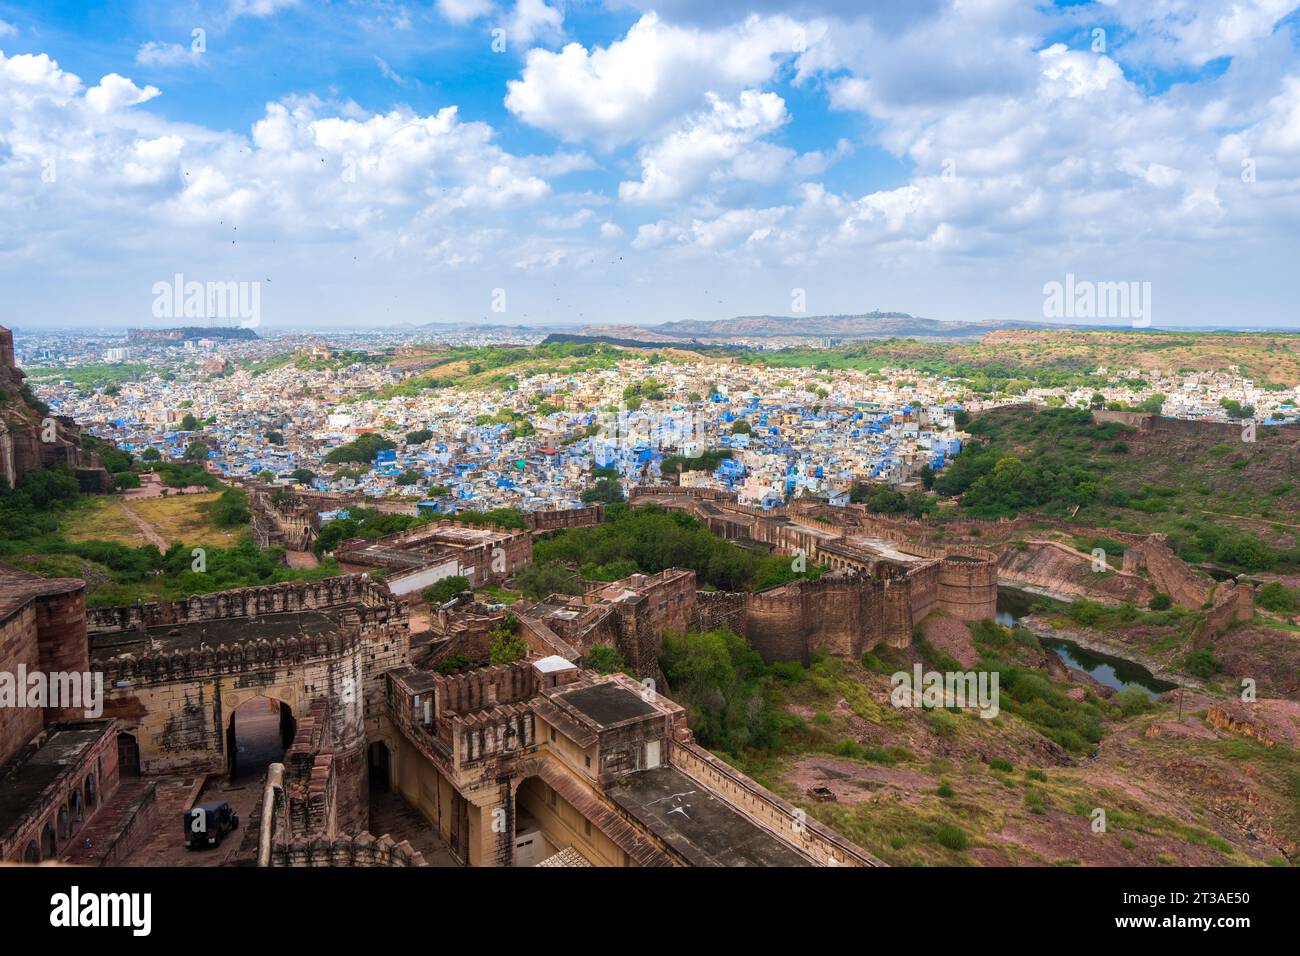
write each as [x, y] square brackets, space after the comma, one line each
[31, 438]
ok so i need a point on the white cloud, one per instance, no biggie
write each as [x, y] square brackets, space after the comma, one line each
[388, 73]
[7, 29]
[991, 154]
[533, 19]
[1174, 32]
[157, 53]
[726, 134]
[413, 185]
[464, 11]
[636, 85]
[115, 92]
[257, 8]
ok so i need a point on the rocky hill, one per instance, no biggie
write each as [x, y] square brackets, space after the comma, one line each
[31, 438]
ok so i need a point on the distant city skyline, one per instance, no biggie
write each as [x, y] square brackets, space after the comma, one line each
[523, 162]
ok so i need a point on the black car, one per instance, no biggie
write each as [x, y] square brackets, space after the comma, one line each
[206, 824]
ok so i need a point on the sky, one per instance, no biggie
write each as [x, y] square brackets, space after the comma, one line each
[368, 163]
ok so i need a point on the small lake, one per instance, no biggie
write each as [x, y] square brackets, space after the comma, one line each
[1116, 672]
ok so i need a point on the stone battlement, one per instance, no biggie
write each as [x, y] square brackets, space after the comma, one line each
[288, 596]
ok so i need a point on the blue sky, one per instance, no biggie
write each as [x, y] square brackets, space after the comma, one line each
[371, 163]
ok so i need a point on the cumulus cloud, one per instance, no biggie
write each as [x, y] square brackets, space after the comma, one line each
[656, 73]
[115, 92]
[674, 167]
[309, 168]
[992, 141]
[1173, 32]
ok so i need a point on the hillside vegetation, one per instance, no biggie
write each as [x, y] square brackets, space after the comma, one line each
[1235, 505]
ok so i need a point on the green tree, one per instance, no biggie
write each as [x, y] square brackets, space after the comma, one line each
[606, 490]
[507, 644]
[540, 581]
[442, 591]
[604, 659]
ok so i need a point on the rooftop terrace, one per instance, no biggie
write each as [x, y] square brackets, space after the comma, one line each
[24, 778]
[697, 824]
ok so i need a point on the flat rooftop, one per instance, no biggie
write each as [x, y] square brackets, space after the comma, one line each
[226, 630]
[608, 703]
[697, 824]
[27, 775]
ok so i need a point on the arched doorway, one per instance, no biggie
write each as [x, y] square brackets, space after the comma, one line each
[261, 730]
[380, 761]
[74, 806]
[47, 841]
[90, 792]
[535, 806]
[32, 854]
[128, 755]
[65, 824]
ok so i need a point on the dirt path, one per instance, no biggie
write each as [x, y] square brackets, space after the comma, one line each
[146, 529]
[1221, 514]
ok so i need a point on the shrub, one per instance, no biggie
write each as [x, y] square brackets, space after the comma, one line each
[1276, 597]
[1160, 602]
[604, 659]
[997, 763]
[452, 663]
[954, 838]
[942, 724]
[1202, 664]
[1132, 701]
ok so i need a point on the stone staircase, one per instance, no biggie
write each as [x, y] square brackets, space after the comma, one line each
[126, 818]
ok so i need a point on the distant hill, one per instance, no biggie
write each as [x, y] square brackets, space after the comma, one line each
[869, 325]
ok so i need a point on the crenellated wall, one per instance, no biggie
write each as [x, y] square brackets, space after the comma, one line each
[242, 602]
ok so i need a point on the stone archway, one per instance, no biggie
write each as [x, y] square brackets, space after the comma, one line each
[128, 755]
[380, 764]
[260, 730]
